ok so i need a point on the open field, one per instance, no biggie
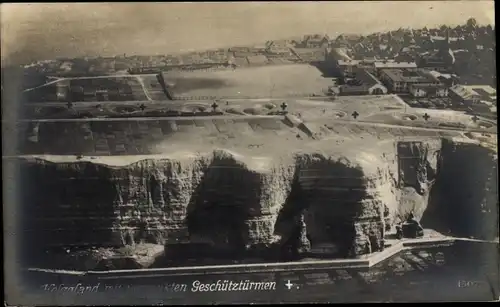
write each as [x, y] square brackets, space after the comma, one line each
[245, 135]
[254, 82]
[371, 110]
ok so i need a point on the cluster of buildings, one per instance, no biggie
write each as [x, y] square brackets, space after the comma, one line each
[423, 66]
[419, 86]
[427, 70]
[392, 76]
[482, 98]
[89, 66]
[410, 43]
[218, 58]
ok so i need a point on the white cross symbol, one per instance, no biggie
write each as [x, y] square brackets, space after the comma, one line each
[289, 285]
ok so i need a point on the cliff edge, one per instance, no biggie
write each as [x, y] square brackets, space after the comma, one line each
[227, 204]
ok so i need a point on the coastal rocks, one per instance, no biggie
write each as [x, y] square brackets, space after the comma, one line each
[231, 205]
[93, 258]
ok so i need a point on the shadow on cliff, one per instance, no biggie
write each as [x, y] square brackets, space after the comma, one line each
[289, 227]
[464, 200]
[216, 214]
[69, 207]
[318, 218]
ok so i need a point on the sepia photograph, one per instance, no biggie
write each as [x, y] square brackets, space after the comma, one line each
[249, 152]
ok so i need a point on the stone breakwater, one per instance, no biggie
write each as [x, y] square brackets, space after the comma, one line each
[241, 205]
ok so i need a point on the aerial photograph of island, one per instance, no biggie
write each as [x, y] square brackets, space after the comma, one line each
[235, 153]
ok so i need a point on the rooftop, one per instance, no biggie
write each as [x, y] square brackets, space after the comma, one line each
[309, 50]
[485, 88]
[442, 38]
[395, 64]
[257, 59]
[440, 85]
[410, 76]
[442, 75]
[316, 38]
[366, 77]
[464, 92]
[485, 92]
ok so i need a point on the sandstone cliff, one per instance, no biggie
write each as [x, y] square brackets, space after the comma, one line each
[232, 205]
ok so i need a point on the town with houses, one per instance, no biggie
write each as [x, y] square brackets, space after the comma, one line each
[440, 68]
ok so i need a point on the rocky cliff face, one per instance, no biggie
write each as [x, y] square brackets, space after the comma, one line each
[417, 164]
[464, 199]
[238, 206]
